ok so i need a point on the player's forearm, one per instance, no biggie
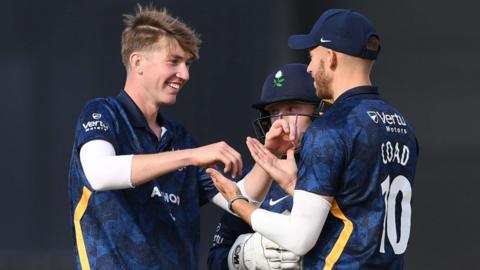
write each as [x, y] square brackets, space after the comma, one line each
[147, 167]
[299, 231]
[244, 210]
[289, 188]
[257, 183]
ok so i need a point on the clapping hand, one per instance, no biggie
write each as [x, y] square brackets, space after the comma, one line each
[283, 171]
[281, 136]
[225, 186]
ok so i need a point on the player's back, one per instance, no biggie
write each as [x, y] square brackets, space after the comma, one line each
[369, 225]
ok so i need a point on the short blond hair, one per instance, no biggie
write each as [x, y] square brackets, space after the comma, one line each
[148, 25]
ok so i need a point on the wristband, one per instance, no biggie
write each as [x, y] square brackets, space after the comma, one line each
[234, 198]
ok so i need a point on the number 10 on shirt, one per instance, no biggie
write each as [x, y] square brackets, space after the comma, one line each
[390, 191]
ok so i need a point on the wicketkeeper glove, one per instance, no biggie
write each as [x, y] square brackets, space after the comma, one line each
[253, 251]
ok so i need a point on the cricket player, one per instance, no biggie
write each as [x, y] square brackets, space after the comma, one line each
[353, 189]
[287, 95]
[137, 179]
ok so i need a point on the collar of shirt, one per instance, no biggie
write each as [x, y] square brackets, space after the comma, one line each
[359, 92]
[134, 113]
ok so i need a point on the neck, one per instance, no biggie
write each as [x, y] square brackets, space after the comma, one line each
[343, 87]
[146, 105]
[355, 78]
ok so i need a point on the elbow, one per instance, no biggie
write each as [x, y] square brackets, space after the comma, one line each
[301, 250]
[104, 170]
[99, 187]
[298, 241]
[95, 177]
[303, 244]
[96, 184]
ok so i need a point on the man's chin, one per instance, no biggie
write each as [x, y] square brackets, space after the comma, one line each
[169, 101]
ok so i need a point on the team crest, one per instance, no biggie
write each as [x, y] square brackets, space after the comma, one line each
[279, 79]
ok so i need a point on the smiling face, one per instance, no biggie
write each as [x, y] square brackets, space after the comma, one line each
[164, 71]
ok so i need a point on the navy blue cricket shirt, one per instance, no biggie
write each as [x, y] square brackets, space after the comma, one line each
[363, 153]
[152, 226]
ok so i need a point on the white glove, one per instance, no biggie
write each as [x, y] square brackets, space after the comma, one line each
[253, 251]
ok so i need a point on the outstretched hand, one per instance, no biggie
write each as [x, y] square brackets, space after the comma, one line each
[283, 171]
[225, 186]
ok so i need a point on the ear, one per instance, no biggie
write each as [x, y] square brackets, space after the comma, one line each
[332, 59]
[136, 62]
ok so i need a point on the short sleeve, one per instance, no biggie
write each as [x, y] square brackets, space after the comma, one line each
[322, 161]
[96, 122]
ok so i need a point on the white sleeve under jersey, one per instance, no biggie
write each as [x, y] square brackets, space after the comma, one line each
[299, 231]
[103, 169]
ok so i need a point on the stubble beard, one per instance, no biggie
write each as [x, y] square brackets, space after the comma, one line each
[322, 82]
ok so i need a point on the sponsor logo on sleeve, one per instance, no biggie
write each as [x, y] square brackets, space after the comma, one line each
[96, 124]
[394, 123]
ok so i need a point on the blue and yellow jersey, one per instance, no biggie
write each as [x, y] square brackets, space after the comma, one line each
[363, 153]
[230, 227]
[152, 226]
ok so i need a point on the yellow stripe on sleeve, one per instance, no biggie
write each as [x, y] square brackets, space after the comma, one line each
[77, 216]
[339, 246]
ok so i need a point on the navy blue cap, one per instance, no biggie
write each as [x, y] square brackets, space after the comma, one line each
[341, 30]
[288, 82]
